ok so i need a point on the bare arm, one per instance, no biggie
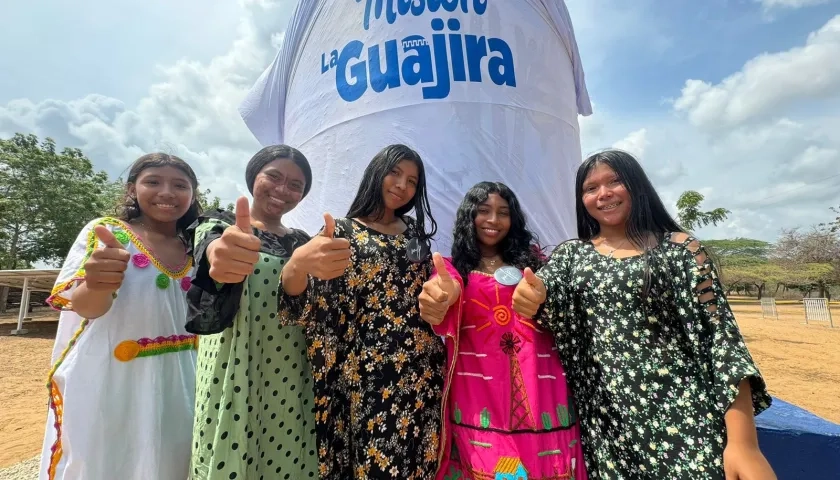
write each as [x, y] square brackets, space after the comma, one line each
[740, 418]
[89, 303]
[294, 277]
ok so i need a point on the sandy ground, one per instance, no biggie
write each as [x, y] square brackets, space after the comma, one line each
[800, 362]
[24, 364]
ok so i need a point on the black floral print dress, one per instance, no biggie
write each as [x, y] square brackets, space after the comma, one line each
[653, 377]
[377, 367]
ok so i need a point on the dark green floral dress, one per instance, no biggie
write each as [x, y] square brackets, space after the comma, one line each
[653, 377]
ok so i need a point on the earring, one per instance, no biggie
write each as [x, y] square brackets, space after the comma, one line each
[132, 206]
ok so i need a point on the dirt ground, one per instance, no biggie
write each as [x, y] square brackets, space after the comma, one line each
[24, 364]
[800, 362]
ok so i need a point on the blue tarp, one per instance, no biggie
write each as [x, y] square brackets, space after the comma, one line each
[798, 444]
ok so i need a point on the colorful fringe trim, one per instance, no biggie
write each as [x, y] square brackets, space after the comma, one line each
[124, 234]
[147, 347]
[57, 405]
[57, 401]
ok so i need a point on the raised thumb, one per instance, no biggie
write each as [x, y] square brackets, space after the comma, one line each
[243, 214]
[440, 267]
[329, 226]
[531, 278]
[106, 237]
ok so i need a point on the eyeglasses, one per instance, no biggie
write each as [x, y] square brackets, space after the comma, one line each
[280, 180]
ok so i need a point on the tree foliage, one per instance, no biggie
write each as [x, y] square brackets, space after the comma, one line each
[739, 247]
[113, 197]
[833, 226]
[690, 215]
[757, 274]
[46, 197]
[814, 246]
[802, 261]
[208, 203]
[811, 258]
[744, 263]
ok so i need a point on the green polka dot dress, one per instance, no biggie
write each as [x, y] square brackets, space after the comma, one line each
[254, 402]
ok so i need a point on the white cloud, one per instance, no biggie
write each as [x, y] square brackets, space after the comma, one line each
[771, 176]
[815, 162]
[634, 143]
[768, 83]
[790, 4]
[191, 111]
[591, 128]
[739, 141]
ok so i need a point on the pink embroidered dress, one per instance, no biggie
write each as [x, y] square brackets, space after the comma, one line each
[510, 415]
[122, 386]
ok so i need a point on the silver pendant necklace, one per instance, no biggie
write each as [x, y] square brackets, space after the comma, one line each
[612, 252]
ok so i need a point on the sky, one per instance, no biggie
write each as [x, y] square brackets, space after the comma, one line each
[736, 99]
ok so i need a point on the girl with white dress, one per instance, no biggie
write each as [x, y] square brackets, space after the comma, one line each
[123, 377]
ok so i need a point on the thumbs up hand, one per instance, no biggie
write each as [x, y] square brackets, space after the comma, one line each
[324, 257]
[529, 294]
[232, 256]
[329, 226]
[105, 269]
[438, 293]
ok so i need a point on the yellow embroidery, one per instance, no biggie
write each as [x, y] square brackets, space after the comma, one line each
[59, 302]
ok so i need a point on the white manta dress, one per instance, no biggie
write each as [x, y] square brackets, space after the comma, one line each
[121, 386]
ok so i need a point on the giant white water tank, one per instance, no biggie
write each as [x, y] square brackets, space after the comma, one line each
[482, 89]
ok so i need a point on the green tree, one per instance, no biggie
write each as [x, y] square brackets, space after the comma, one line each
[113, 197]
[46, 197]
[210, 203]
[812, 259]
[739, 248]
[808, 277]
[691, 217]
[743, 263]
[756, 273]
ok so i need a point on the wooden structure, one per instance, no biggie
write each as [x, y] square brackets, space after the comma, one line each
[28, 281]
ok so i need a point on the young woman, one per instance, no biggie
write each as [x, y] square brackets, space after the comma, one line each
[122, 383]
[378, 368]
[254, 386]
[665, 384]
[508, 407]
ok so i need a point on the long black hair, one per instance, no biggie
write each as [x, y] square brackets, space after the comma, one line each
[648, 215]
[130, 207]
[369, 201]
[518, 248]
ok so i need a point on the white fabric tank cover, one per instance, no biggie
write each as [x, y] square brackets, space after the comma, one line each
[482, 89]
